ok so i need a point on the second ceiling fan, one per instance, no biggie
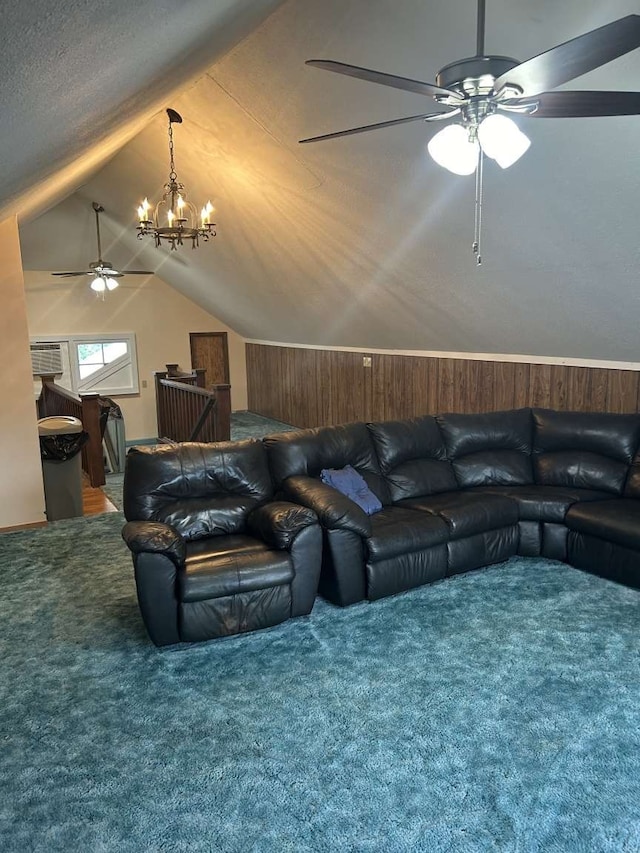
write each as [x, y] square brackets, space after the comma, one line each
[104, 274]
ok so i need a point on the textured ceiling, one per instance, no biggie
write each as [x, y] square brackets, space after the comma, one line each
[78, 78]
[364, 241]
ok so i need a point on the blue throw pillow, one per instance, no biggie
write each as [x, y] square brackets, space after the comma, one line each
[347, 481]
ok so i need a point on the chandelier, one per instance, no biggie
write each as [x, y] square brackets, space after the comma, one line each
[174, 219]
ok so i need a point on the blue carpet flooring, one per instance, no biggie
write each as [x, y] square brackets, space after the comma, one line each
[495, 711]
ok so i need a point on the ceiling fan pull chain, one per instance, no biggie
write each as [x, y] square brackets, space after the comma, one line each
[477, 232]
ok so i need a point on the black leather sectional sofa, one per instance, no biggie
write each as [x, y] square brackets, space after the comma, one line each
[460, 491]
[216, 553]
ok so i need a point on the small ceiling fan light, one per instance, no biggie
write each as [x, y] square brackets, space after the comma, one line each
[502, 140]
[452, 149]
[111, 283]
[98, 284]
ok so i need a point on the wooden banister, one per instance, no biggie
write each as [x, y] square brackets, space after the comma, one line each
[92, 455]
[187, 411]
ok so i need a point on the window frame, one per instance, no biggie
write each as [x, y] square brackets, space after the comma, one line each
[107, 337]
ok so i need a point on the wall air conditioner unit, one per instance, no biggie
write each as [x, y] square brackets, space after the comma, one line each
[46, 359]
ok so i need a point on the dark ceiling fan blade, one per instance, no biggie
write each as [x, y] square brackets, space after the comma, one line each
[573, 58]
[70, 274]
[404, 83]
[578, 104]
[136, 272]
[367, 127]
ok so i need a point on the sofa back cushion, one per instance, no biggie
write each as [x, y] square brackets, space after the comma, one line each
[491, 449]
[412, 457]
[307, 452]
[586, 450]
[201, 489]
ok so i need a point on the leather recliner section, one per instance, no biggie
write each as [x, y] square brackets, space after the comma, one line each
[214, 553]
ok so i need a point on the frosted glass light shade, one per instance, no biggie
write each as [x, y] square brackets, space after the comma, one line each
[102, 283]
[452, 149]
[502, 140]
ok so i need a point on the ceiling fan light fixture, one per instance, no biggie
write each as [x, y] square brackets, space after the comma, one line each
[502, 140]
[174, 219]
[453, 149]
[102, 283]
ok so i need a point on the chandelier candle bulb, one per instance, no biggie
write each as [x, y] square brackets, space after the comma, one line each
[143, 212]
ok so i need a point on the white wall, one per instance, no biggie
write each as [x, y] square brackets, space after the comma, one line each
[21, 490]
[160, 317]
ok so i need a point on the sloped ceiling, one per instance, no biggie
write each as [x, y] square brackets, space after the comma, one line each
[78, 78]
[364, 241]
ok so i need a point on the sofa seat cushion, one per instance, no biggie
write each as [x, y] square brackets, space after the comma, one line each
[544, 503]
[228, 565]
[615, 520]
[468, 512]
[397, 531]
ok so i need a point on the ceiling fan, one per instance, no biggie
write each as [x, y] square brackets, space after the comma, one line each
[104, 274]
[482, 91]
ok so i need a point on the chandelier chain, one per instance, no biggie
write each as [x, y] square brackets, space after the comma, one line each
[172, 166]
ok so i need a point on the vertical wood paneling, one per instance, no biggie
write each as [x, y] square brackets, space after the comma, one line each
[539, 385]
[622, 395]
[598, 388]
[304, 388]
[579, 393]
[326, 411]
[320, 387]
[433, 385]
[447, 392]
[350, 387]
[504, 385]
[521, 383]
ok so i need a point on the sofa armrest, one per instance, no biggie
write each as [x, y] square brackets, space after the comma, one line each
[156, 538]
[279, 522]
[335, 510]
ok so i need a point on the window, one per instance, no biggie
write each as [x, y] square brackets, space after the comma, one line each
[95, 356]
[103, 363]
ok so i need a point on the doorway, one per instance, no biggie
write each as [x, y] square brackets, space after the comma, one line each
[210, 352]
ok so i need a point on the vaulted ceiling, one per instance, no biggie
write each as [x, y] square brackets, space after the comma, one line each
[361, 241]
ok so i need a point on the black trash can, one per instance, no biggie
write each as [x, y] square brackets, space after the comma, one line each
[61, 440]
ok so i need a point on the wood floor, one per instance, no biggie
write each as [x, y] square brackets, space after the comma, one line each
[94, 501]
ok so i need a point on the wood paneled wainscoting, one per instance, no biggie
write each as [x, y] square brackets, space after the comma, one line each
[314, 387]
